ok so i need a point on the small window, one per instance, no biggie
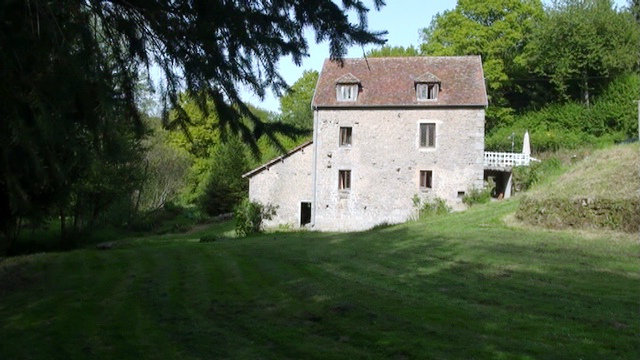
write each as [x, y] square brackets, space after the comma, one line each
[345, 136]
[461, 194]
[427, 135]
[427, 91]
[426, 179]
[344, 180]
[347, 92]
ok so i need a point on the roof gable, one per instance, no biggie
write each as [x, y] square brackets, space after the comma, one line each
[348, 79]
[427, 78]
[390, 82]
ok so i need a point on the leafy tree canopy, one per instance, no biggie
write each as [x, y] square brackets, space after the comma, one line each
[495, 29]
[295, 105]
[582, 44]
[395, 51]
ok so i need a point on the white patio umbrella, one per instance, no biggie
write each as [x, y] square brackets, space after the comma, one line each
[526, 146]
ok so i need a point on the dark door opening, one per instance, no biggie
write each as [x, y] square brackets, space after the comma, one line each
[305, 213]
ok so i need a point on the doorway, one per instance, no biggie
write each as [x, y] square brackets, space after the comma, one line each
[305, 213]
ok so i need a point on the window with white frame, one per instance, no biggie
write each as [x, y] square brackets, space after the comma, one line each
[345, 136]
[426, 179]
[347, 92]
[344, 180]
[427, 135]
[427, 91]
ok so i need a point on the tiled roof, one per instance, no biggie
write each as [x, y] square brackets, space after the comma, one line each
[426, 78]
[280, 158]
[347, 79]
[391, 81]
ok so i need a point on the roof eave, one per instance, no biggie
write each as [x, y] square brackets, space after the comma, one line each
[268, 164]
[399, 106]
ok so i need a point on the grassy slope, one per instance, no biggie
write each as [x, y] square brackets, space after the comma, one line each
[458, 286]
[610, 173]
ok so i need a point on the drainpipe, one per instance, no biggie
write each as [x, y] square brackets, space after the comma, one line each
[314, 205]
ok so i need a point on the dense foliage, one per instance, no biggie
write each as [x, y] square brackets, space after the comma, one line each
[496, 30]
[250, 215]
[295, 105]
[224, 186]
[393, 51]
[611, 117]
[581, 45]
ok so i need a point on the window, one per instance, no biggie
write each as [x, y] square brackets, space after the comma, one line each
[427, 135]
[426, 179]
[344, 180]
[347, 92]
[427, 91]
[345, 136]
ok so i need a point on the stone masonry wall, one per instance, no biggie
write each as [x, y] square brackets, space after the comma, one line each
[284, 184]
[385, 162]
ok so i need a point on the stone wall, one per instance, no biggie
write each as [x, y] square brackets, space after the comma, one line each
[284, 184]
[385, 160]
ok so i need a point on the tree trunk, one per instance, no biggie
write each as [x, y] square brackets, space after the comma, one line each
[76, 215]
[137, 206]
[63, 232]
[585, 89]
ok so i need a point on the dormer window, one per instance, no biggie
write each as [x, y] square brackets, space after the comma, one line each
[347, 87]
[427, 91]
[427, 87]
[347, 92]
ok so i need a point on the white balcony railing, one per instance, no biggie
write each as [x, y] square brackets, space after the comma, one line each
[505, 159]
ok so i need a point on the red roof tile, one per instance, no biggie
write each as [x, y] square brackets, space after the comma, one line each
[348, 79]
[391, 81]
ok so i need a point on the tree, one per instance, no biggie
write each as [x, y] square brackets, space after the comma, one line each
[164, 170]
[395, 51]
[495, 29]
[295, 105]
[582, 44]
[224, 186]
[70, 70]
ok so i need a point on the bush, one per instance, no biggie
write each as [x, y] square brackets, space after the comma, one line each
[430, 207]
[249, 216]
[478, 196]
[614, 214]
[524, 177]
[209, 238]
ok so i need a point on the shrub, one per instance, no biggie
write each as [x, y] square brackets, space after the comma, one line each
[478, 196]
[524, 177]
[430, 207]
[209, 238]
[382, 225]
[249, 216]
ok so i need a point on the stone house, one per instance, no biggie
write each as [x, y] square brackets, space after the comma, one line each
[386, 130]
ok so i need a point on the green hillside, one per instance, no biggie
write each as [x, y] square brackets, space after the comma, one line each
[456, 286]
[600, 191]
[610, 173]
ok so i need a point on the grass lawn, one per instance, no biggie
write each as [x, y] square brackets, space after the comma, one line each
[458, 286]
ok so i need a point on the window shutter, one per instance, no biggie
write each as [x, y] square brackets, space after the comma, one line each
[432, 134]
[423, 135]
